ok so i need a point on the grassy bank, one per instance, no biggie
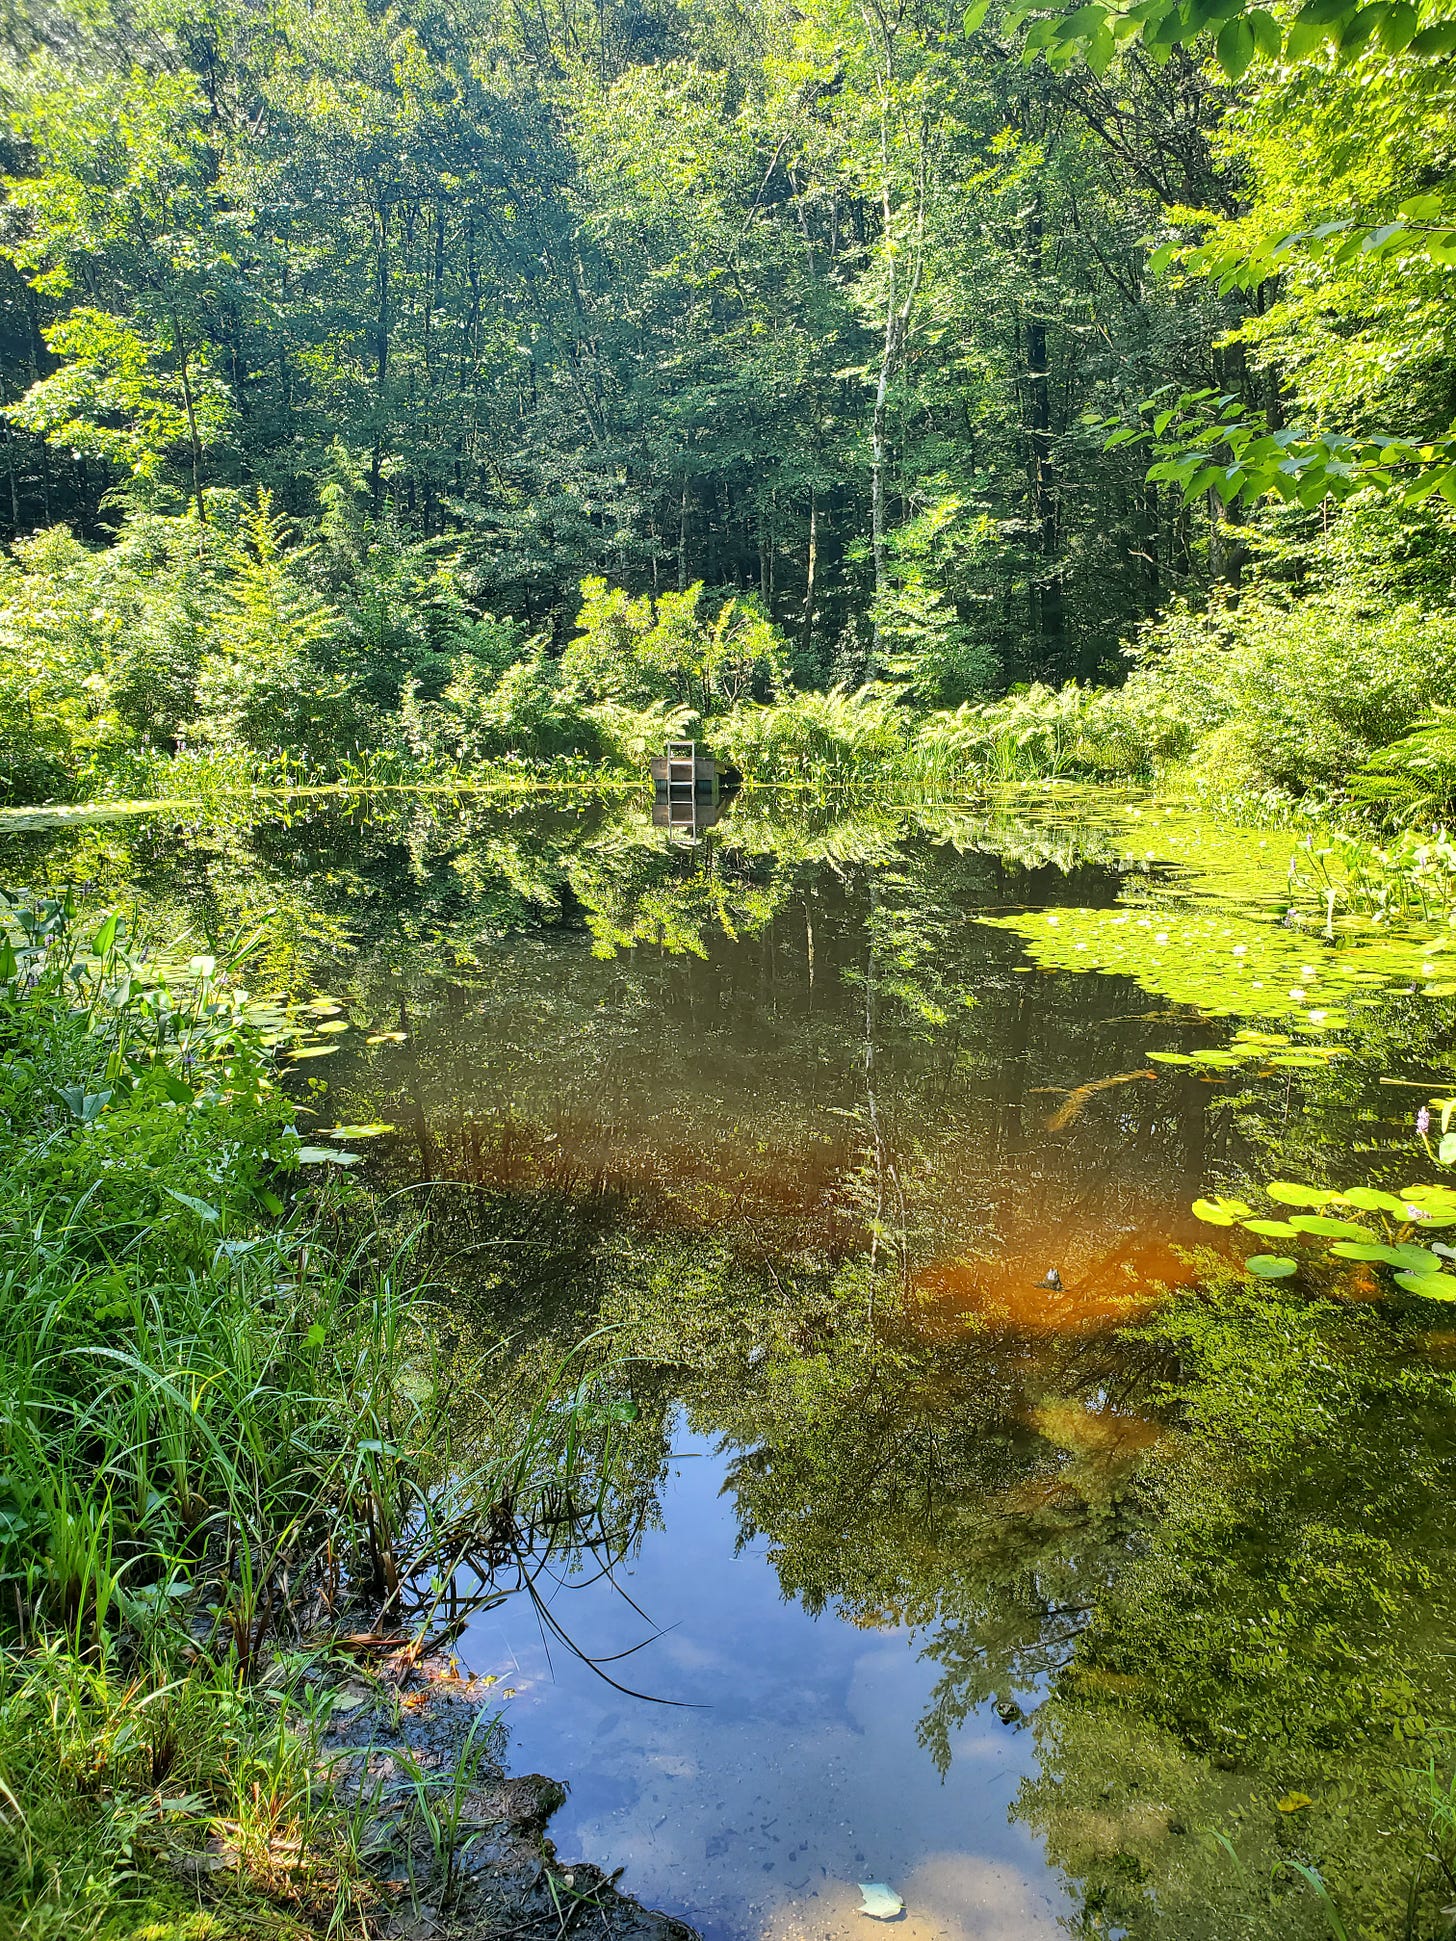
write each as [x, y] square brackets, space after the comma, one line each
[226, 1425]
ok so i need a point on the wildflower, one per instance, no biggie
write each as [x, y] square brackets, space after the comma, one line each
[1423, 1121]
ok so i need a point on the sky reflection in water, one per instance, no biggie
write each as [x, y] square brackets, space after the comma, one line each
[792, 1772]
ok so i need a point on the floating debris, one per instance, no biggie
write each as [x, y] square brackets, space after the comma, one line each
[880, 1902]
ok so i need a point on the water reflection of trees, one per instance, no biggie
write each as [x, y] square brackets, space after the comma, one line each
[775, 1112]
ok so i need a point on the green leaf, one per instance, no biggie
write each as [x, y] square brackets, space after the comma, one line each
[1273, 1267]
[1434, 1199]
[973, 16]
[1359, 27]
[325, 1156]
[1430, 1287]
[1372, 1199]
[1411, 1260]
[1329, 1229]
[1446, 1151]
[1220, 1212]
[1268, 34]
[1439, 39]
[199, 1207]
[1289, 1194]
[1235, 47]
[1083, 23]
[1301, 40]
[1270, 1229]
[1399, 26]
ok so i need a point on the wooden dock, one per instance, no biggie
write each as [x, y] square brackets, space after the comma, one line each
[688, 786]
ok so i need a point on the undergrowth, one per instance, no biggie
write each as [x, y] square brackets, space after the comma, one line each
[225, 1438]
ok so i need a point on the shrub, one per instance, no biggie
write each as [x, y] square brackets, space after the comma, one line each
[638, 651]
[840, 734]
[1295, 692]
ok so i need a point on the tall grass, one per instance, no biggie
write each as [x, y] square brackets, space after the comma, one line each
[226, 1433]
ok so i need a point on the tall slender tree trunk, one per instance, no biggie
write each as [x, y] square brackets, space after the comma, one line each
[184, 371]
[902, 289]
[811, 574]
[381, 353]
[1051, 619]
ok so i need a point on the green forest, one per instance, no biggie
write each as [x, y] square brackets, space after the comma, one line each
[1005, 393]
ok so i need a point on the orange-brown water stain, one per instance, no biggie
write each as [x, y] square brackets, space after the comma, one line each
[675, 1176]
[806, 1195]
[1102, 1292]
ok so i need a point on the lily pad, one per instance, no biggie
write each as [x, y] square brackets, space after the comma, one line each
[1430, 1287]
[326, 1156]
[1371, 1199]
[1412, 1260]
[1437, 1199]
[1221, 1212]
[1289, 1194]
[1328, 1228]
[1270, 1229]
[1275, 1267]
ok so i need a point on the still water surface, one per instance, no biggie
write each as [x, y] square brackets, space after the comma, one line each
[790, 1768]
[863, 1186]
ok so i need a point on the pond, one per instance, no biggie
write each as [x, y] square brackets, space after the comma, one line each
[989, 1538]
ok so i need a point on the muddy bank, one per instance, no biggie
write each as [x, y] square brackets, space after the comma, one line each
[460, 1847]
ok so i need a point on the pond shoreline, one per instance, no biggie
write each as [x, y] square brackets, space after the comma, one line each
[422, 1717]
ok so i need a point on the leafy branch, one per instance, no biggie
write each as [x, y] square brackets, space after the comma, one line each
[1240, 32]
[1207, 442]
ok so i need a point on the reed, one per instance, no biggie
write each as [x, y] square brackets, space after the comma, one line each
[226, 1432]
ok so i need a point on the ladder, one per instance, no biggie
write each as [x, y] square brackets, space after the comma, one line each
[682, 783]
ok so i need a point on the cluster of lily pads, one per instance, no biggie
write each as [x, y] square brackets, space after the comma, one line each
[1227, 962]
[1383, 1238]
[300, 1031]
[1262, 1048]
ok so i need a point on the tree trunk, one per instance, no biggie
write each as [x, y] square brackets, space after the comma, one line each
[811, 574]
[1051, 620]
